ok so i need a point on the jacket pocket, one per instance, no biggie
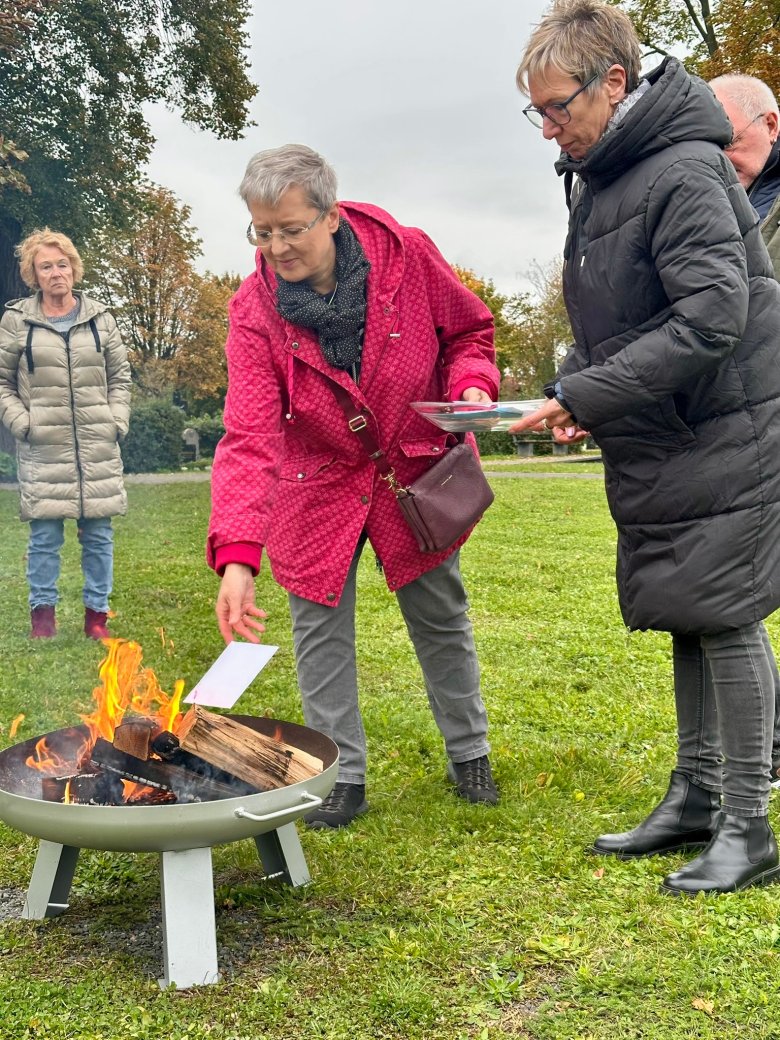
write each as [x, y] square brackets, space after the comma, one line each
[430, 447]
[306, 467]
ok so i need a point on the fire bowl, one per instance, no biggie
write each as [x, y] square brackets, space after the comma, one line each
[160, 828]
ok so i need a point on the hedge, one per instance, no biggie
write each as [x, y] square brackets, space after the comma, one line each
[154, 442]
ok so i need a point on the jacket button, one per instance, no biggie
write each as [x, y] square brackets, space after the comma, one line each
[330, 597]
[295, 345]
[364, 499]
[301, 476]
[435, 447]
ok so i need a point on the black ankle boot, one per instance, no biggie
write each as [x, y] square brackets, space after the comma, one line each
[685, 819]
[742, 853]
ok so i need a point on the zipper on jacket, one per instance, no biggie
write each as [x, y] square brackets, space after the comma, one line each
[66, 337]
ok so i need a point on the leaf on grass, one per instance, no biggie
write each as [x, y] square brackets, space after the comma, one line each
[14, 728]
[703, 1005]
[599, 874]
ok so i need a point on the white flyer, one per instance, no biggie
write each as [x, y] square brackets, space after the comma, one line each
[231, 673]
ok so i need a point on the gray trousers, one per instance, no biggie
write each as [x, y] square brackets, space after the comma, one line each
[434, 608]
[724, 688]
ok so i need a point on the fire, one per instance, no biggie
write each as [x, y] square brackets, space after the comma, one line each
[48, 761]
[126, 687]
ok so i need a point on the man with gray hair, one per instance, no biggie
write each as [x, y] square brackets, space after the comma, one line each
[755, 154]
[755, 149]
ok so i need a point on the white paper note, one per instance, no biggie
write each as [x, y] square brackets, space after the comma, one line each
[231, 673]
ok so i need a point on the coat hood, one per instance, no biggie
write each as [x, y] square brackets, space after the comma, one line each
[678, 107]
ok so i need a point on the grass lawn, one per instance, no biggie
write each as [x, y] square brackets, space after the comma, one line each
[429, 918]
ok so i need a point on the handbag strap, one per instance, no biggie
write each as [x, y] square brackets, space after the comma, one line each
[358, 424]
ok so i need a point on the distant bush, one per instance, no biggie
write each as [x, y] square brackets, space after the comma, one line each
[153, 442]
[500, 443]
[210, 431]
[7, 467]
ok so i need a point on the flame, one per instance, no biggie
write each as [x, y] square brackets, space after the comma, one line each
[47, 761]
[134, 791]
[126, 687]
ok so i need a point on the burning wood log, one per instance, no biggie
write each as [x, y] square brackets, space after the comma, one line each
[135, 736]
[186, 785]
[252, 756]
[166, 745]
[93, 788]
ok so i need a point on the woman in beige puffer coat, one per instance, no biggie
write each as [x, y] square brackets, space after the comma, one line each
[65, 396]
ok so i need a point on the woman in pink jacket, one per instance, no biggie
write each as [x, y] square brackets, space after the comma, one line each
[342, 294]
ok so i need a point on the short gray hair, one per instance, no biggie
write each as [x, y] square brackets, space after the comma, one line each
[582, 39]
[270, 173]
[750, 94]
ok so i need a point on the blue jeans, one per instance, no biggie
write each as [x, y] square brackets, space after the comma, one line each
[435, 609]
[724, 687]
[97, 561]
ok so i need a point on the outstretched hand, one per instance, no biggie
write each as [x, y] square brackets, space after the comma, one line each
[557, 420]
[237, 613]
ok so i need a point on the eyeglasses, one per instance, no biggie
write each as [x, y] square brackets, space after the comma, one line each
[287, 234]
[738, 137]
[559, 112]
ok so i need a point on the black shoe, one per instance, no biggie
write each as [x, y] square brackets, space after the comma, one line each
[343, 804]
[686, 818]
[474, 780]
[742, 853]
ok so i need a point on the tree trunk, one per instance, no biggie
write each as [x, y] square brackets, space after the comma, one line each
[11, 285]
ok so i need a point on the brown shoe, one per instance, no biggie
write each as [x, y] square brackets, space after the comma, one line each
[43, 623]
[95, 624]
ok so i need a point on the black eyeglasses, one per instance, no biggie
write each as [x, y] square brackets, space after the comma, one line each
[738, 137]
[559, 112]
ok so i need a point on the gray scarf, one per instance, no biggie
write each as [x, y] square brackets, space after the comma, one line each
[339, 320]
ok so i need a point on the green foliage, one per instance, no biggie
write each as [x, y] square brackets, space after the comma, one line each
[498, 443]
[153, 442]
[716, 36]
[210, 430]
[7, 466]
[75, 76]
[429, 919]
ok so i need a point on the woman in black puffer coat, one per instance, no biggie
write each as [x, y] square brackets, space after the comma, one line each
[675, 371]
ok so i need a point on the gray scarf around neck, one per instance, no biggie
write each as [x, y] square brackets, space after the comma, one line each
[338, 320]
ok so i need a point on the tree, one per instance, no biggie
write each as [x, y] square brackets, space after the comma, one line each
[532, 330]
[201, 365]
[147, 275]
[173, 319]
[498, 305]
[542, 333]
[717, 35]
[74, 77]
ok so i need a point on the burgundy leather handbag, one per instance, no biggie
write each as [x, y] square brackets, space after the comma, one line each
[442, 504]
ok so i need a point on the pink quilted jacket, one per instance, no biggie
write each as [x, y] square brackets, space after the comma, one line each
[289, 474]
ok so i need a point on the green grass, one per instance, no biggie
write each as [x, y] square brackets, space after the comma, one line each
[429, 919]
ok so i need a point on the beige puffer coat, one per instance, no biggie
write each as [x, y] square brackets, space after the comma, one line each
[66, 400]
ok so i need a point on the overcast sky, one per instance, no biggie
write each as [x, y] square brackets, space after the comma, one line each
[414, 104]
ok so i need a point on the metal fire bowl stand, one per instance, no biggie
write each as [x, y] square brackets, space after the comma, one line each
[182, 834]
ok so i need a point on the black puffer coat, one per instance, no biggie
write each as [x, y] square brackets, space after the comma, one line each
[676, 362]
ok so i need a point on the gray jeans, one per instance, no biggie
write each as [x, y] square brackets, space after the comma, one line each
[434, 608]
[724, 688]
